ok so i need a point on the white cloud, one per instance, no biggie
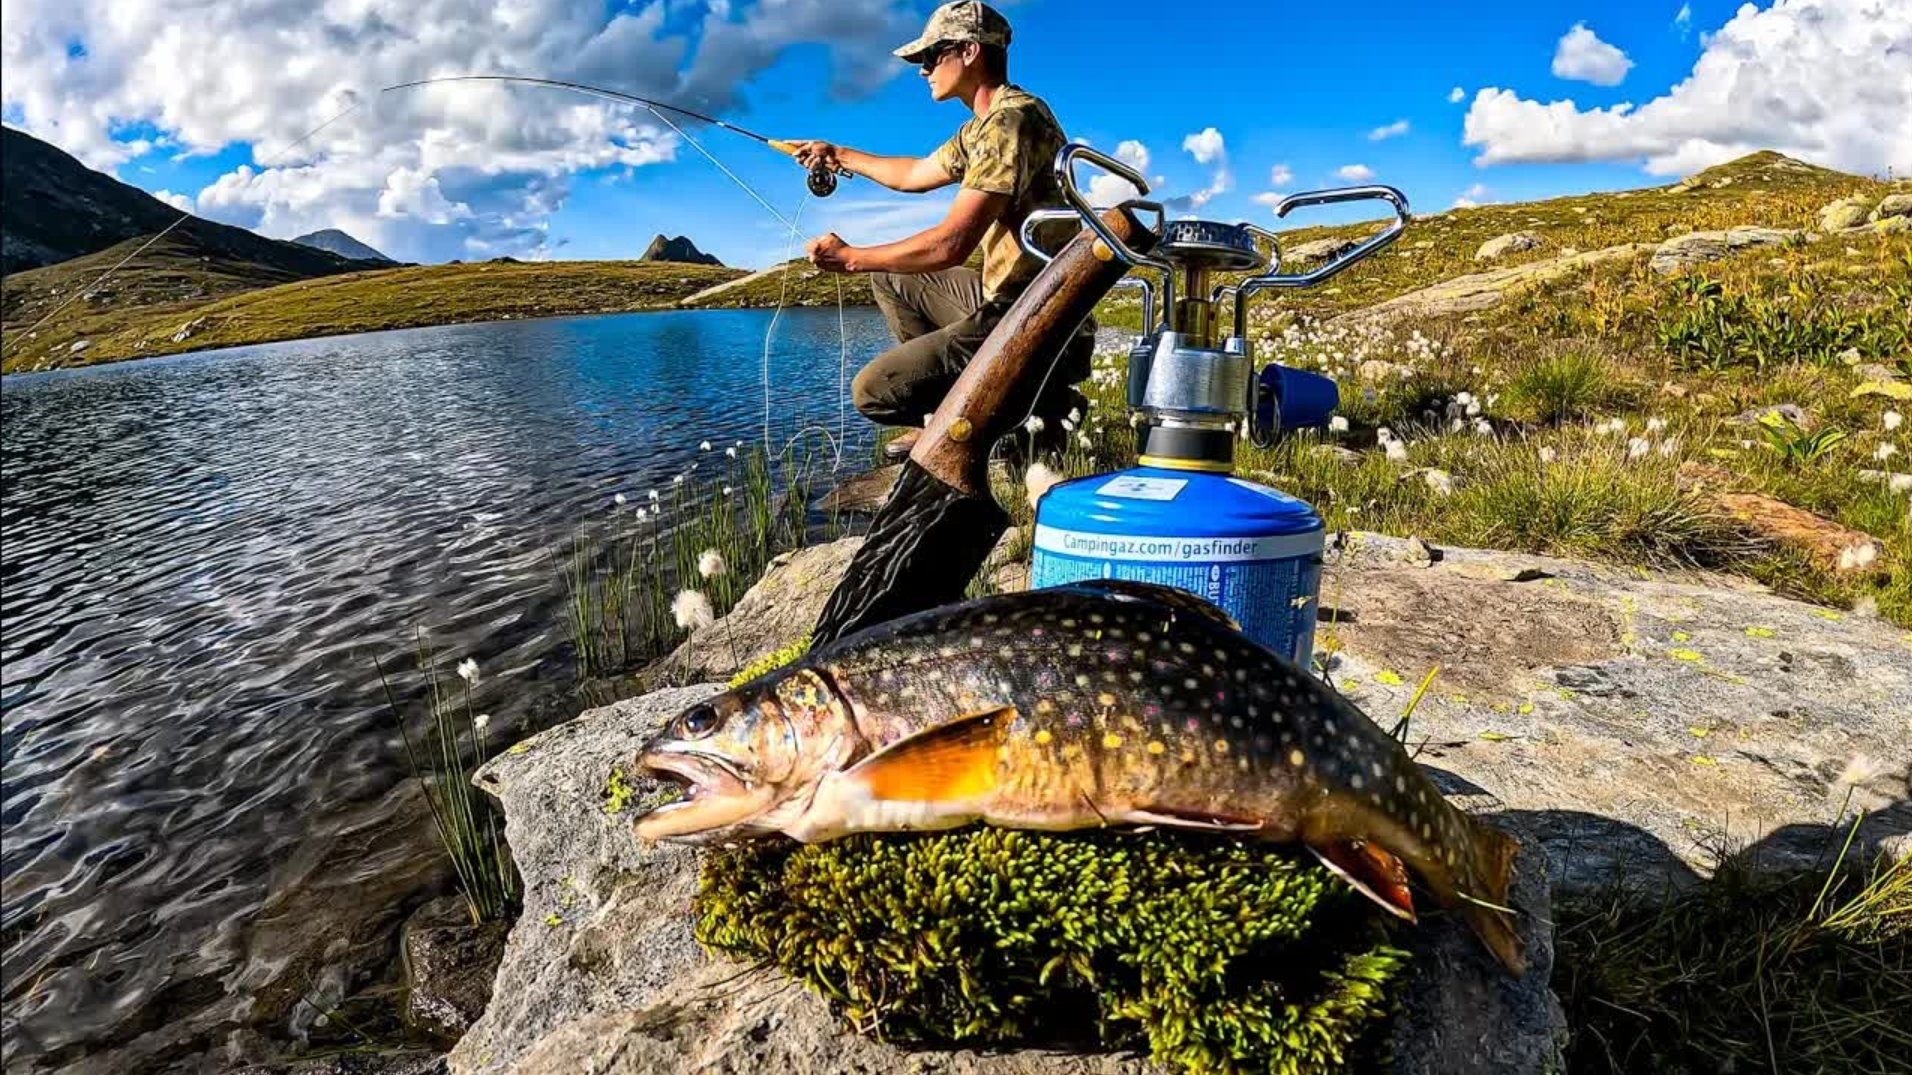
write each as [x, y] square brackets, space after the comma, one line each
[1398, 127]
[1472, 197]
[1582, 56]
[1355, 173]
[181, 202]
[1280, 176]
[1684, 20]
[1206, 146]
[1828, 81]
[1106, 189]
[1456, 95]
[1271, 198]
[195, 78]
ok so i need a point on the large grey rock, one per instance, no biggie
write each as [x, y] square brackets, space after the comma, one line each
[1844, 213]
[601, 973]
[1700, 247]
[780, 608]
[1484, 290]
[1894, 205]
[1318, 250]
[1502, 245]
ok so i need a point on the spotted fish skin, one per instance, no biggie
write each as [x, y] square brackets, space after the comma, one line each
[1098, 704]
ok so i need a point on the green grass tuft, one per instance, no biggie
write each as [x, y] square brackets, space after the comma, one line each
[1210, 956]
[1571, 386]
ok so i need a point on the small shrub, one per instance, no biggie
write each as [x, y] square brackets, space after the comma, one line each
[1214, 956]
[1563, 388]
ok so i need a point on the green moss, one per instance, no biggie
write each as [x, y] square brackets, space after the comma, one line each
[617, 791]
[1211, 956]
[770, 662]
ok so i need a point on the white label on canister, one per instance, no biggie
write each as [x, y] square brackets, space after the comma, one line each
[1207, 550]
[1131, 488]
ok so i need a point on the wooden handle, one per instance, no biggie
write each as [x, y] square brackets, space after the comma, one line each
[1001, 380]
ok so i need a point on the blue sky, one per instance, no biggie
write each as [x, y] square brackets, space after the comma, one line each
[1655, 89]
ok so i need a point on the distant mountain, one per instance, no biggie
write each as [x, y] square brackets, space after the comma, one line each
[343, 245]
[678, 249]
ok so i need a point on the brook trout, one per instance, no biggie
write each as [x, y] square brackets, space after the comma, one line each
[1098, 703]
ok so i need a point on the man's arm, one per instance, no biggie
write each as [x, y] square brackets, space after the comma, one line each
[911, 175]
[944, 246]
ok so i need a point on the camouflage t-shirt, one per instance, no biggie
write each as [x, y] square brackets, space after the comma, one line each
[1011, 149]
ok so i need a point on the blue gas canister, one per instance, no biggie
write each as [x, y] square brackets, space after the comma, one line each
[1253, 551]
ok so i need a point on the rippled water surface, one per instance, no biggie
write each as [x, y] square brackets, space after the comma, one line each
[206, 814]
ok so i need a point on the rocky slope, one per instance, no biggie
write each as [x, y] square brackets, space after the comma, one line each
[337, 242]
[679, 249]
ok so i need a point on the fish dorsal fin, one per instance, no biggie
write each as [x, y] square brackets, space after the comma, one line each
[953, 761]
[1171, 597]
[1373, 872]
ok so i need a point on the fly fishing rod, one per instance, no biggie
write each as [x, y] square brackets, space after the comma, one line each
[822, 179]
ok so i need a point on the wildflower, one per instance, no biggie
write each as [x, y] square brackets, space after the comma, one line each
[1383, 435]
[1473, 408]
[710, 563]
[1654, 425]
[1483, 427]
[1892, 420]
[618, 500]
[691, 610]
[726, 490]
[1068, 424]
[1885, 451]
[1440, 481]
[481, 722]
[1039, 479]
[1464, 399]
[1899, 483]
[653, 494]
[679, 480]
[1034, 424]
[1669, 447]
[1337, 424]
[468, 671]
[1075, 414]
[1858, 557]
[704, 447]
[1638, 447]
[731, 451]
[1547, 455]
[1397, 450]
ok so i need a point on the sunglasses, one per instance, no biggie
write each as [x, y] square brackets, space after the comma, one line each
[934, 58]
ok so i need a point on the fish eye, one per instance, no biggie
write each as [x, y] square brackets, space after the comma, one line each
[698, 722]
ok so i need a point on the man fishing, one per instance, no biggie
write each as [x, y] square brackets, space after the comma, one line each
[939, 309]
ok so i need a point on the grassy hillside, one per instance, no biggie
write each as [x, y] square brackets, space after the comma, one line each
[1611, 410]
[165, 318]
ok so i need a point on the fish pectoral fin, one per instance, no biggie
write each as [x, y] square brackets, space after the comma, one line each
[955, 760]
[1373, 872]
[1182, 819]
[1170, 597]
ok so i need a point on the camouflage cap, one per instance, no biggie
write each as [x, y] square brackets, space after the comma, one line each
[962, 20]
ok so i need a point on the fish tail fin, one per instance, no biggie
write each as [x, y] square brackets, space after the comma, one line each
[1485, 908]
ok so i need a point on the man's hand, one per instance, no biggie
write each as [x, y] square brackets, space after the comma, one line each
[829, 253]
[810, 153]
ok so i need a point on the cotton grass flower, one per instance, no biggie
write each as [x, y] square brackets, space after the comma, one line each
[1337, 424]
[1892, 420]
[731, 451]
[1548, 455]
[1885, 451]
[710, 564]
[1397, 450]
[1440, 481]
[1899, 483]
[1034, 424]
[1655, 425]
[1040, 479]
[1638, 447]
[481, 722]
[468, 671]
[692, 611]
[1858, 557]
[704, 447]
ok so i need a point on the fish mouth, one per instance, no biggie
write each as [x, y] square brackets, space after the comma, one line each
[716, 796]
